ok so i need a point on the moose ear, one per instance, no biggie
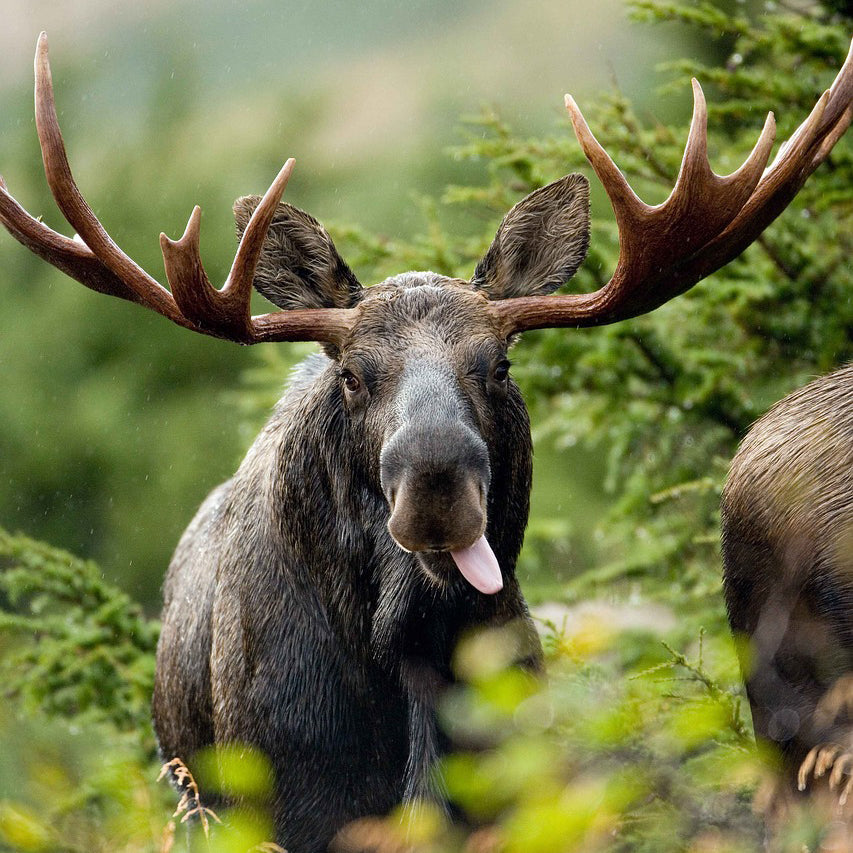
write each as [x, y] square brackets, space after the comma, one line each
[540, 244]
[299, 266]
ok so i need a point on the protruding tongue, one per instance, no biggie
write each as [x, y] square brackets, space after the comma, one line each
[479, 566]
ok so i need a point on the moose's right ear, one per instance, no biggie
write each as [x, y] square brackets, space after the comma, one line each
[299, 266]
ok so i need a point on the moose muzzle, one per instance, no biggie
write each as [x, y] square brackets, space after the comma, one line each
[435, 475]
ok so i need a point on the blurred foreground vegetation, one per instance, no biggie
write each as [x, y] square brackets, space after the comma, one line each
[641, 741]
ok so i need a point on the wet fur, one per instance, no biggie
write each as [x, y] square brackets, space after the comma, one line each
[788, 557]
[518, 255]
[328, 641]
[299, 266]
[292, 621]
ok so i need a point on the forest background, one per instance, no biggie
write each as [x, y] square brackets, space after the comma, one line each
[116, 424]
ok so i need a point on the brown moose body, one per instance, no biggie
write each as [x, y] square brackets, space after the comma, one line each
[788, 574]
[328, 642]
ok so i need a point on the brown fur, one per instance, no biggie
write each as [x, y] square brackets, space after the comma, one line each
[788, 553]
[299, 266]
[294, 620]
[519, 255]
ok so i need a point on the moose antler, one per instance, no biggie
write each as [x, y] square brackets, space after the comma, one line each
[707, 221]
[664, 250]
[97, 262]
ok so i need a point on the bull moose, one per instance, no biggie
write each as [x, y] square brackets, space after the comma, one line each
[312, 605]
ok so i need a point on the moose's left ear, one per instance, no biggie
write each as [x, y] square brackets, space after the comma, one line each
[540, 244]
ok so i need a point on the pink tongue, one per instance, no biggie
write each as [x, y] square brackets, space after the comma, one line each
[479, 566]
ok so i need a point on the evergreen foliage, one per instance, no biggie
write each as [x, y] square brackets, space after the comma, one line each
[84, 650]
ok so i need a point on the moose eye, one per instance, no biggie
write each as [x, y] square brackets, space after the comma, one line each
[501, 371]
[351, 382]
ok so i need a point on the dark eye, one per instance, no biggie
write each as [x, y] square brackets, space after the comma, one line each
[501, 371]
[351, 382]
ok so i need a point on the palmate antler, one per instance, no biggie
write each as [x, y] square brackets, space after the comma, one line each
[101, 265]
[664, 250]
[707, 221]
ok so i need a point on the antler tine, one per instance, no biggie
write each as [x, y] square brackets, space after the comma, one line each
[97, 262]
[695, 168]
[808, 146]
[694, 161]
[627, 206]
[72, 204]
[827, 116]
[70, 256]
[242, 272]
[707, 220]
[226, 310]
